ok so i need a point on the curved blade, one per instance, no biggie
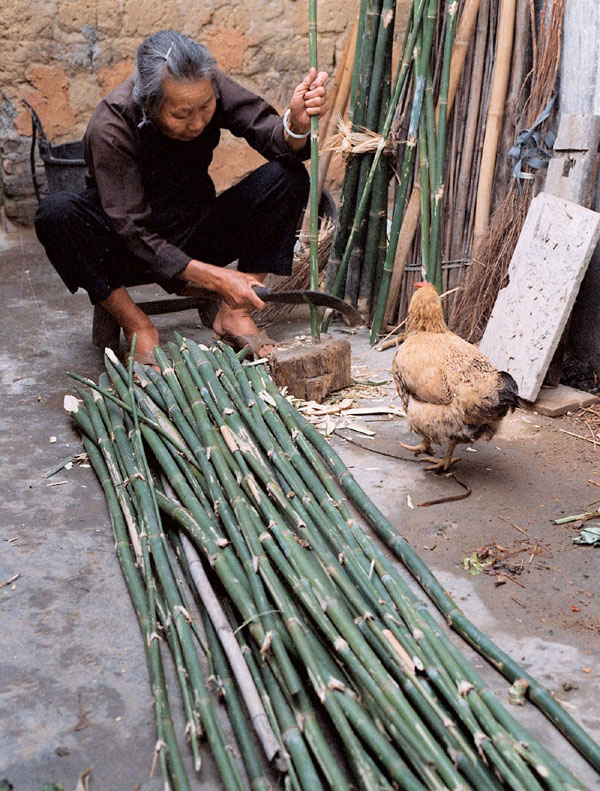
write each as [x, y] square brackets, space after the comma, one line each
[311, 298]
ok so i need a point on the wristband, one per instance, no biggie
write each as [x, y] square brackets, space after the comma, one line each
[289, 131]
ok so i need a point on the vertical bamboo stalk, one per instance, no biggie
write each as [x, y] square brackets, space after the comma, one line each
[494, 120]
[338, 96]
[378, 100]
[399, 211]
[348, 197]
[435, 263]
[464, 31]
[401, 75]
[369, 91]
[314, 178]
[470, 132]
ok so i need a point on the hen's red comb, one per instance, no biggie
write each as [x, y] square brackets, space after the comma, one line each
[420, 284]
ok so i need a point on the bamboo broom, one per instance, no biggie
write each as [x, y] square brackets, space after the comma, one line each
[494, 120]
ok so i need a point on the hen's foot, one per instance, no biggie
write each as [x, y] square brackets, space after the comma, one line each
[422, 447]
[440, 464]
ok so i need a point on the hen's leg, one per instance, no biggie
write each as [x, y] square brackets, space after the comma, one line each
[422, 447]
[446, 462]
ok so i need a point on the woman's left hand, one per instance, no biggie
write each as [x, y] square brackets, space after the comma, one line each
[309, 98]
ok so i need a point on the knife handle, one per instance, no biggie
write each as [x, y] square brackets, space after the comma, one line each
[261, 292]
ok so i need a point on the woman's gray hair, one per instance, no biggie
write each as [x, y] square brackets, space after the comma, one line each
[168, 53]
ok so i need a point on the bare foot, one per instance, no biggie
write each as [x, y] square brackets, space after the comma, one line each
[133, 320]
[230, 321]
[146, 338]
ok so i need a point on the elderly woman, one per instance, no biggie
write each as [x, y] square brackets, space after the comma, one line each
[149, 212]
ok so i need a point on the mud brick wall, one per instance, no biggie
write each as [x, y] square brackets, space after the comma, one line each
[62, 56]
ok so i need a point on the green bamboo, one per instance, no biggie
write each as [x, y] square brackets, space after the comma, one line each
[165, 727]
[237, 716]
[438, 191]
[370, 93]
[402, 74]
[144, 489]
[453, 615]
[348, 194]
[314, 177]
[258, 482]
[399, 205]
[378, 102]
[424, 171]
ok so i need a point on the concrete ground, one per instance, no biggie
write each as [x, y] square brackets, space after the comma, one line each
[73, 688]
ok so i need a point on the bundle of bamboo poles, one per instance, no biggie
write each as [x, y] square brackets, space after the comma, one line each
[495, 238]
[451, 117]
[214, 481]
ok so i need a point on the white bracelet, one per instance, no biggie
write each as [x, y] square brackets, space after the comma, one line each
[288, 130]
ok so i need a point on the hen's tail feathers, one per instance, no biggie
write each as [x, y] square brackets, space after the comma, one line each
[508, 393]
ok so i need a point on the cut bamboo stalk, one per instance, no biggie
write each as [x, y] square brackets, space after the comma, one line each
[494, 120]
[256, 711]
[435, 257]
[338, 277]
[347, 201]
[459, 50]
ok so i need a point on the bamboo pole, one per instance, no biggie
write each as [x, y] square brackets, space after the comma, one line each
[338, 96]
[348, 196]
[314, 177]
[465, 175]
[464, 33]
[338, 276]
[410, 223]
[515, 96]
[435, 259]
[377, 216]
[369, 93]
[256, 711]
[460, 46]
[494, 120]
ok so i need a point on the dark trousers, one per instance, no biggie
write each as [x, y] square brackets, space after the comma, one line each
[253, 222]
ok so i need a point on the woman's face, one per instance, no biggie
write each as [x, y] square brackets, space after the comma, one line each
[187, 108]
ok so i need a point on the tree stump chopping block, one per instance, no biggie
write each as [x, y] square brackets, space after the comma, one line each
[312, 370]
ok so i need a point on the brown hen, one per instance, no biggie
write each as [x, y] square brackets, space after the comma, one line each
[450, 390]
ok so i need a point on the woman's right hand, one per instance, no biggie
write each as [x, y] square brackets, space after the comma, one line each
[235, 288]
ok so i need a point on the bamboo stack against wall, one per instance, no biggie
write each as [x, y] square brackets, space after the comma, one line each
[448, 115]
